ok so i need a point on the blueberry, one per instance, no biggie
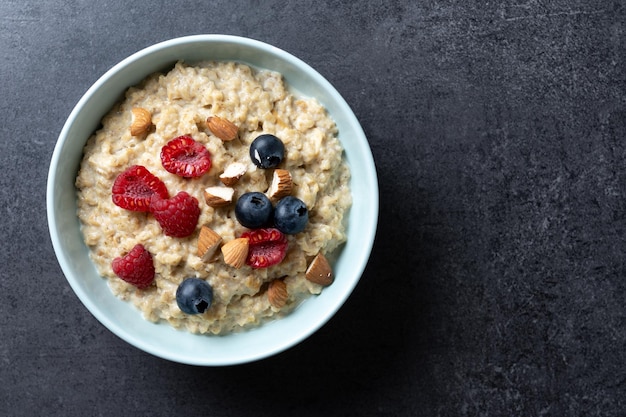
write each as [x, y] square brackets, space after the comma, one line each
[194, 296]
[267, 151]
[291, 215]
[254, 210]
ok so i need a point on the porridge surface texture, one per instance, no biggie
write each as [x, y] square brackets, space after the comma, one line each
[180, 102]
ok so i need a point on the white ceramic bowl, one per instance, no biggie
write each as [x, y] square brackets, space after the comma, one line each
[125, 320]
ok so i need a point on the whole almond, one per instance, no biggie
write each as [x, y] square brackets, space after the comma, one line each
[141, 121]
[235, 252]
[319, 271]
[277, 293]
[222, 128]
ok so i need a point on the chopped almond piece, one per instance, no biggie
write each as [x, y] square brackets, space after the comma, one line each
[141, 121]
[319, 271]
[218, 196]
[281, 185]
[208, 242]
[232, 173]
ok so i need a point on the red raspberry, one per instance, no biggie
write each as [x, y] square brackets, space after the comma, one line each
[136, 267]
[185, 157]
[267, 247]
[134, 187]
[178, 216]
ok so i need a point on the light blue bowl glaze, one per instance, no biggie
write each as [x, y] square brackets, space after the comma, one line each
[122, 318]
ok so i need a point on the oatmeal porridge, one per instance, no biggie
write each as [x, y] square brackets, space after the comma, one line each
[188, 101]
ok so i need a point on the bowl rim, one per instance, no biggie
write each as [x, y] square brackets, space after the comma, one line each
[56, 159]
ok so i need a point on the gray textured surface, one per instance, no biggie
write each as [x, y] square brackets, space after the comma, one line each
[497, 282]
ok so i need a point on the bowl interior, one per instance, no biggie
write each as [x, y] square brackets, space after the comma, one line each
[125, 320]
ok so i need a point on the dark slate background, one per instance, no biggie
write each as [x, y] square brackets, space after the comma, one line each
[497, 282]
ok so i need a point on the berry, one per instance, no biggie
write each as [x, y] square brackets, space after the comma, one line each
[178, 216]
[133, 189]
[291, 215]
[267, 151]
[194, 296]
[254, 210]
[136, 267]
[185, 157]
[266, 247]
